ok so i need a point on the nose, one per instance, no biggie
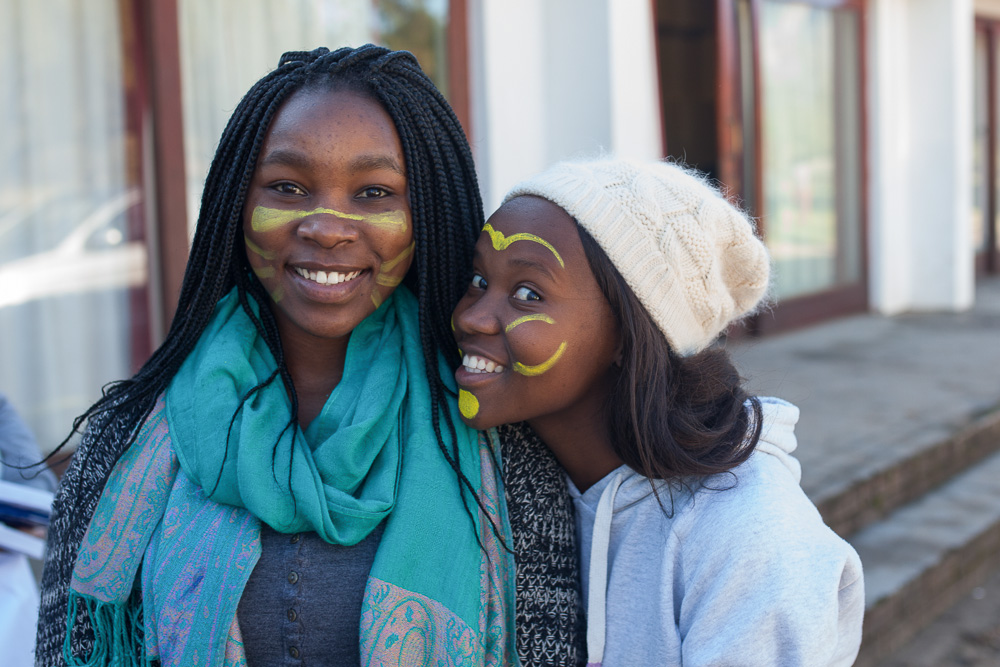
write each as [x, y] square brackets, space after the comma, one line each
[477, 315]
[328, 228]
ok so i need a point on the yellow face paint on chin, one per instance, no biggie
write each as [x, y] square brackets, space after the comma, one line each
[468, 404]
[501, 242]
[268, 219]
[531, 371]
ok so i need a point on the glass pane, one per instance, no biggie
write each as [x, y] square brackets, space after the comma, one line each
[69, 260]
[226, 45]
[980, 143]
[810, 101]
[996, 149]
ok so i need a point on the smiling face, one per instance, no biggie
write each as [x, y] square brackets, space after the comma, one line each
[538, 338]
[327, 219]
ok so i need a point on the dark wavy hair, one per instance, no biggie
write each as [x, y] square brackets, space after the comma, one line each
[447, 218]
[671, 418]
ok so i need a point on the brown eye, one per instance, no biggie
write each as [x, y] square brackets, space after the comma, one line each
[478, 282]
[373, 192]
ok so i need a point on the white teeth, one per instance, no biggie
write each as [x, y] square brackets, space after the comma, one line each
[475, 364]
[327, 278]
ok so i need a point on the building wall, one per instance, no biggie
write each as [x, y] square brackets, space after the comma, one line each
[920, 130]
[559, 79]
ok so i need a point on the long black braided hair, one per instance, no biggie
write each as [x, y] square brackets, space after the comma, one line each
[446, 208]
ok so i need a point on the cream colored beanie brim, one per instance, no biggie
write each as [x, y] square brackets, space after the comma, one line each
[693, 260]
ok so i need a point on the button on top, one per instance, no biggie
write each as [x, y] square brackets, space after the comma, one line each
[292, 615]
[294, 652]
[295, 538]
[293, 577]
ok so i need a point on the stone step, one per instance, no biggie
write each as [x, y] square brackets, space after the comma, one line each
[873, 494]
[924, 556]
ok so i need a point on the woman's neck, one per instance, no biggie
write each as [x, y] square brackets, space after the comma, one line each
[316, 366]
[581, 442]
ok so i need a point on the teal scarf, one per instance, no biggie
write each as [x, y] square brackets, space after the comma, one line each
[370, 456]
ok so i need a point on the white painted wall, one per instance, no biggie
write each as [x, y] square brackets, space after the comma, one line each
[559, 79]
[920, 129]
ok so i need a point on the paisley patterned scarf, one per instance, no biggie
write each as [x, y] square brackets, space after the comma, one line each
[184, 507]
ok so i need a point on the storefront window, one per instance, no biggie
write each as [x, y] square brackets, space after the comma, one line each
[71, 258]
[810, 145]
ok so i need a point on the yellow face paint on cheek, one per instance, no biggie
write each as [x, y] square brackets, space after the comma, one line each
[268, 219]
[501, 242]
[531, 371]
[390, 281]
[468, 404]
[539, 317]
[257, 250]
[264, 272]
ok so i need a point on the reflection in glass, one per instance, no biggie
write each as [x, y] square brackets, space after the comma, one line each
[810, 146]
[68, 258]
[980, 143]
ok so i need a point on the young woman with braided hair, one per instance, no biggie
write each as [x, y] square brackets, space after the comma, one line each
[288, 476]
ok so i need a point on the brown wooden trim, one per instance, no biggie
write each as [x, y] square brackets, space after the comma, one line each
[728, 116]
[161, 40]
[136, 106]
[812, 308]
[458, 63]
[659, 77]
[758, 123]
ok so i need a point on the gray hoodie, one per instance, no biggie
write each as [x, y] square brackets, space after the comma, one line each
[743, 571]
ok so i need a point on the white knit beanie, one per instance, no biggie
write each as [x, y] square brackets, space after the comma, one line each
[694, 261]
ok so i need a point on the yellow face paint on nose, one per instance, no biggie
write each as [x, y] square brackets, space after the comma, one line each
[468, 404]
[268, 219]
[501, 242]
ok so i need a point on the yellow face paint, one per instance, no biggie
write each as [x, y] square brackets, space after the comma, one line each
[531, 371]
[468, 404]
[501, 242]
[257, 250]
[264, 272]
[390, 281]
[539, 317]
[268, 219]
[277, 294]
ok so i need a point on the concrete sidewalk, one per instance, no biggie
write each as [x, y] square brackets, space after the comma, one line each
[874, 390]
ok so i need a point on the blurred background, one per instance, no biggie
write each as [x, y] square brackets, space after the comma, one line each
[861, 134]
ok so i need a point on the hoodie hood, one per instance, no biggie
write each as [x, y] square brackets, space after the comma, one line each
[777, 433]
[625, 487]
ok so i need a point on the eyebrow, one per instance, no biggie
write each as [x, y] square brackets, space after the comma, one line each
[372, 162]
[285, 157]
[526, 263]
[362, 163]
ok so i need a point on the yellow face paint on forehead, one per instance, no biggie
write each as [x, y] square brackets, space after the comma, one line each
[538, 369]
[539, 317]
[268, 219]
[501, 242]
[468, 404]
